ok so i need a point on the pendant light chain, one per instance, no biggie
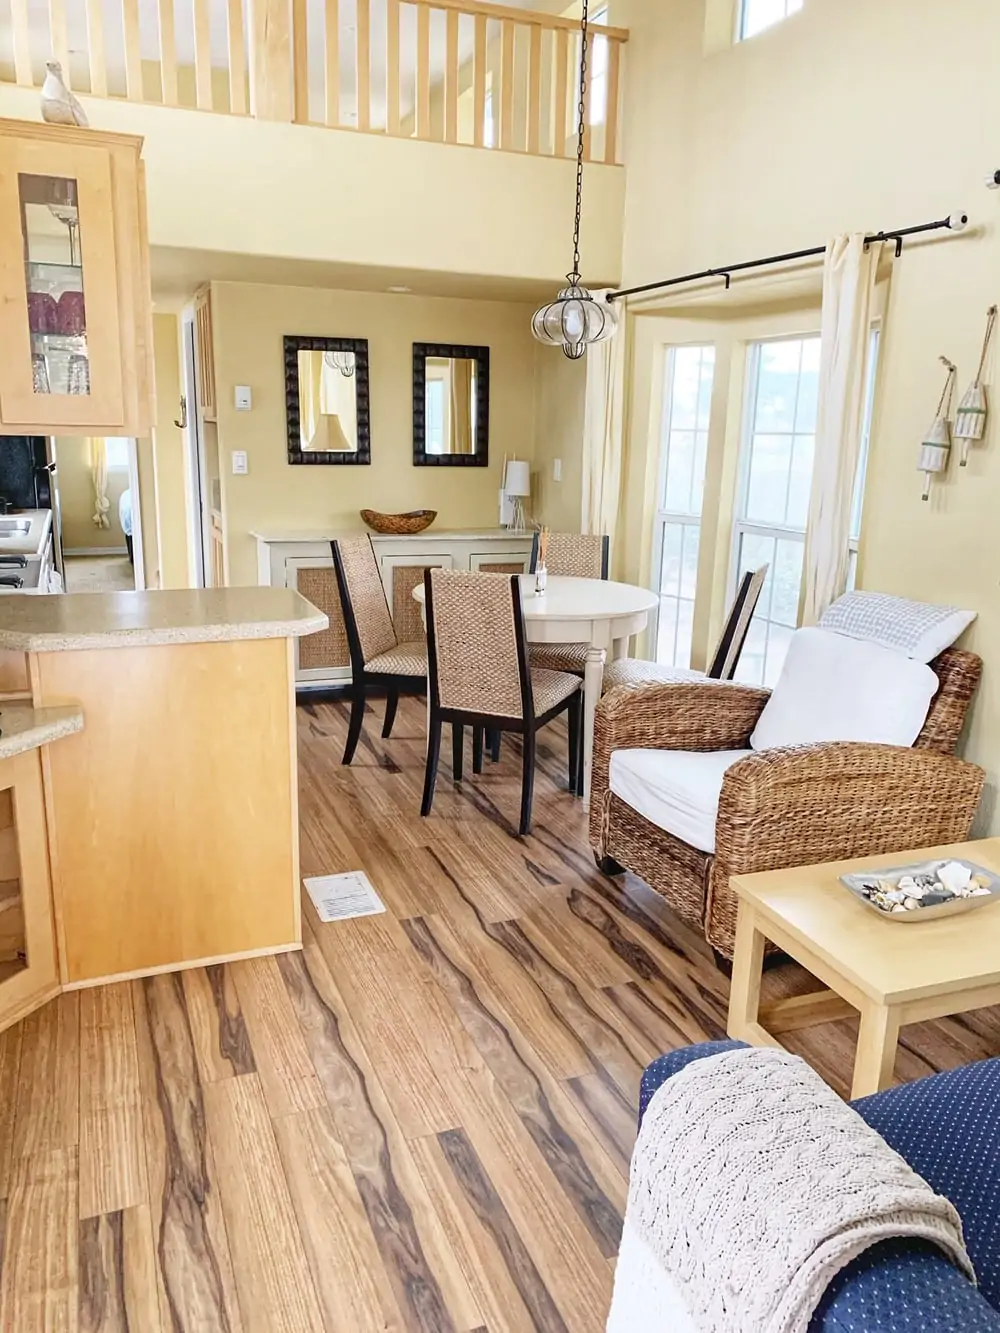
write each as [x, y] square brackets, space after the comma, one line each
[580, 136]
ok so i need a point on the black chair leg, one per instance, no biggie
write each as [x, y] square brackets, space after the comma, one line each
[477, 749]
[430, 773]
[391, 703]
[457, 744]
[575, 741]
[495, 746]
[354, 726]
[527, 781]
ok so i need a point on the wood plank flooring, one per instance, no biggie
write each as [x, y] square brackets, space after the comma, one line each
[422, 1121]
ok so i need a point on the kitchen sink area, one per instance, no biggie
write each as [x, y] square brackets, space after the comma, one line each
[14, 527]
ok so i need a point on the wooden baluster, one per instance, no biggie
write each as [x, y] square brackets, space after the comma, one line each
[333, 62]
[270, 60]
[300, 61]
[611, 117]
[392, 67]
[58, 39]
[535, 91]
[451, 77]
[168, 52]
[423, 72]
[479, 82]
[507, 32]
[364, 64]
[202, 56]
[237, 59]
[95, 49]
[21, 34]
[133, 57]
[559, 134]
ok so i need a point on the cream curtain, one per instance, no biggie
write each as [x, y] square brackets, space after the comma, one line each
[848, 294]
[461, 406]
[310, 382]
[99, 474]
[603, 433]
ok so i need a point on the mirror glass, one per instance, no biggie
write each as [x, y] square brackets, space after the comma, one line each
[328, 402]
[450, 394]
[451, 405]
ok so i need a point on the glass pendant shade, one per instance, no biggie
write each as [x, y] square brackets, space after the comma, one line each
[342, 361]
[574, 320]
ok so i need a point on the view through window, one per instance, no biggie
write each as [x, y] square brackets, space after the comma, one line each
[756, 15]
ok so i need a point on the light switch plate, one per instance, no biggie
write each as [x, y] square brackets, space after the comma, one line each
[557, 469]
[240, 467]
[244, 398]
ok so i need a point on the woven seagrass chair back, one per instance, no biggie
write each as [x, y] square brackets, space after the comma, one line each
[366, 595]
[574, 555]
[959, 672]
[475, 641]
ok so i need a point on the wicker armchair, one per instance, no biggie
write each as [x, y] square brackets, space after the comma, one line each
[784, 807]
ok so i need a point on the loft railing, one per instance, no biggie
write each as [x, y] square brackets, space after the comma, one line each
[451, 71]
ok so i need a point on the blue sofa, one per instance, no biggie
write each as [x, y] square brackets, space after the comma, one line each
[948, 1128]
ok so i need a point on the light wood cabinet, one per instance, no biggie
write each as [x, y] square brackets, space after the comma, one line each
[75, 311]
[28, 969]
[206, 353]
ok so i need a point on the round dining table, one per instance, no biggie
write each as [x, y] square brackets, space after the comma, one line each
[597, 612]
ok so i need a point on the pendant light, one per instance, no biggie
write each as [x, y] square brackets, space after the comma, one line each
[574, 319]
[342, 361]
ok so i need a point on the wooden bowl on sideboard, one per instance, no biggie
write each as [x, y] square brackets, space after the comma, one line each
[399, 525]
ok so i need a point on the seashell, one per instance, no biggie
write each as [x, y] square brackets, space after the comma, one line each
[955, 876]
[980, 892]
[898, 908]
[906, 882]
[909, 904]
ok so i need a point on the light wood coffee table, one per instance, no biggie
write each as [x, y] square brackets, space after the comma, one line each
[892, 973]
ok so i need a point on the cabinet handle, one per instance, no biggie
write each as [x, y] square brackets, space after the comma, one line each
[182, 424]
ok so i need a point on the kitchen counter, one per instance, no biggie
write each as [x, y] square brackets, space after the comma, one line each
[25, 728]
[28, 543]
[78, 621]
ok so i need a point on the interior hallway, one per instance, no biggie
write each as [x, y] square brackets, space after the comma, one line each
[98, 573]
[423, 1121]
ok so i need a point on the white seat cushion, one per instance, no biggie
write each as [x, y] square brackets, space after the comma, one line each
[677, 790]
[833, 688]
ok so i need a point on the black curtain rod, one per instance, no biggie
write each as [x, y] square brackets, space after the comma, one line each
[956, 222]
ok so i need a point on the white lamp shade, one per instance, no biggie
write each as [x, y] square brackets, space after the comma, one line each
[517, 480]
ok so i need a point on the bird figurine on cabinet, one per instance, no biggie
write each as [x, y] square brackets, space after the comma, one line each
[59, 106]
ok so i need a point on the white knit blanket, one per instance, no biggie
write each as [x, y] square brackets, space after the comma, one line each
[753, 1184]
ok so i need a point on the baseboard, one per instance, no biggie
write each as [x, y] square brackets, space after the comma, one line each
[95, 550]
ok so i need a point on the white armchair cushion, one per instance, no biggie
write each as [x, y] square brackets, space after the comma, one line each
[677, 790]
[834, 688]
[917, 629]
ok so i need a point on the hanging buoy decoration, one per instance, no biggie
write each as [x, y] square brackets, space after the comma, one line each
[970, 419]
[937, 442]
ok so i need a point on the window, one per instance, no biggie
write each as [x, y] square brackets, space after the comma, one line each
[687, 402]
[597, 59]
[435, 437]
[489, 123]
[117, 453]
[756, 15]
[776, 479]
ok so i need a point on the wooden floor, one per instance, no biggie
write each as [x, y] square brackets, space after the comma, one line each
[422, 1121]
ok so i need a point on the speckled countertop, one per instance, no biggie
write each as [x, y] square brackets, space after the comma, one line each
[25, 728]
[70, 621]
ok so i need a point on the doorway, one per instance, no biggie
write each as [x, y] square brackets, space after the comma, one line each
[98, 523]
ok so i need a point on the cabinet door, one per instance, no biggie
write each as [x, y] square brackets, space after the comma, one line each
[400, 575]
[28, 975]
[500, 562]
[59, 312]
[322, 657]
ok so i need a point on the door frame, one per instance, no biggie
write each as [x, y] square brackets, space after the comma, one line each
[194, 444]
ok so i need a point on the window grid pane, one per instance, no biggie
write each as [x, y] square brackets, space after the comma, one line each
[756, 15]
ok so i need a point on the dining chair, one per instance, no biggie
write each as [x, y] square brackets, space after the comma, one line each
[378, 659]
[479, 675]
[725, 659]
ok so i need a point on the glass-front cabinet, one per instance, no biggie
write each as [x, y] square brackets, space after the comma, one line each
[75, 315]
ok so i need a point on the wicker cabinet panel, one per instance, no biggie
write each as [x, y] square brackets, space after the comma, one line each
[329, 646]
[500, 567]
[406, 618]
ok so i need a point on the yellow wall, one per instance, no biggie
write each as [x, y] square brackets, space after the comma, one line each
[249, 322]
[169, 458]
[76, 498]
[248, 187]
[559, 392]
[820, 125]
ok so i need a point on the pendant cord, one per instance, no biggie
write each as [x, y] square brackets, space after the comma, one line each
[991, 319]
[574, 277]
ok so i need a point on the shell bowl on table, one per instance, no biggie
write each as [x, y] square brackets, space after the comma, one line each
[399, 525]
[926, 891]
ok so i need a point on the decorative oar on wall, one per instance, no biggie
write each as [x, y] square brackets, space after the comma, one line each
[970, 419]
[937, 442]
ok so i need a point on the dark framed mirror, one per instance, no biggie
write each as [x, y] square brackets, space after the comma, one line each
[451, 405]
[326, 400]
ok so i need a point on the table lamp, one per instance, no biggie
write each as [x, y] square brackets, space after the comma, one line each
[516, 485]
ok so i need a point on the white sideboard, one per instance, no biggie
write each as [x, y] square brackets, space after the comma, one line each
[304, 561]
